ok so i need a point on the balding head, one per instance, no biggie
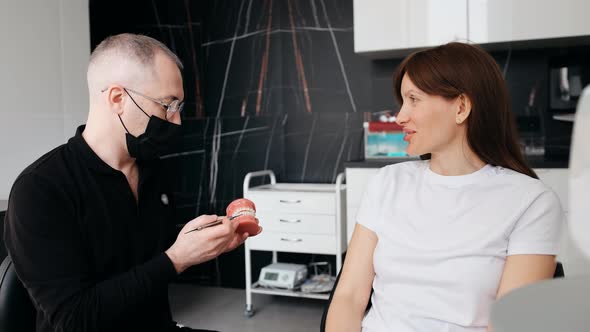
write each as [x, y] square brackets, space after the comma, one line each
[126, 59]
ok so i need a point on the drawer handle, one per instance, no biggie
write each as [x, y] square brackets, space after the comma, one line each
[290, 221]
[290, 201]
[291, 240]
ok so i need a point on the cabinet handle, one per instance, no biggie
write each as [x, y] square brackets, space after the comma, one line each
[290, 221]
[291, 240]
[290, 201]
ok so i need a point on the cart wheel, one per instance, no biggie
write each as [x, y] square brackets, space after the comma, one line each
[249, 312]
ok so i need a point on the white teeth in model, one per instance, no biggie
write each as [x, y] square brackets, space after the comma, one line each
[244, 211]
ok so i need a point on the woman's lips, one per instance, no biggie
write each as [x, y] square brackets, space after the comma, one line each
[408, 134]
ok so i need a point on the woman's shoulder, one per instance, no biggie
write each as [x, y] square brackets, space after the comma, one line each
[511, 178]
[396, 173]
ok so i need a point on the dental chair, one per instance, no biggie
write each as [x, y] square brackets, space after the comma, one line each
[562, 304]
[17, 313]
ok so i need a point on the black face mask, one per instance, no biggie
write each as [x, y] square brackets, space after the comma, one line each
[157, 140]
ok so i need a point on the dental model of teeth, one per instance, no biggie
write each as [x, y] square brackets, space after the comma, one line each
[243, 211]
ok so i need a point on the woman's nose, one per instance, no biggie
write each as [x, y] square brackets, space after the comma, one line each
[401, 117]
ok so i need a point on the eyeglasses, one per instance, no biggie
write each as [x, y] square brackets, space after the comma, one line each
[174, 107]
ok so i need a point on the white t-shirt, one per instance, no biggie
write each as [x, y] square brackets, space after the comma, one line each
[443, 241]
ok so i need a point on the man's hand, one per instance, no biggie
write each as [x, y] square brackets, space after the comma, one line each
[238, 239]
[200, 246]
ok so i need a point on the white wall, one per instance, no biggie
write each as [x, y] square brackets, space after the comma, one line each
[43, 58]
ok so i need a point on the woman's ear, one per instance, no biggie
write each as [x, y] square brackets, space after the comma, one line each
[463, 110]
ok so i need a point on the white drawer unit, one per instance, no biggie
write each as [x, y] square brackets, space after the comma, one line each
[297, 223]
[299, 218]
[289, 242]
[282, 197]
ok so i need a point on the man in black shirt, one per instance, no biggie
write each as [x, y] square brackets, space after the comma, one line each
[89, 225]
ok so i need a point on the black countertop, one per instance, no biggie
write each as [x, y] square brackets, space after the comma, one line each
[375, 163]
[535, 162]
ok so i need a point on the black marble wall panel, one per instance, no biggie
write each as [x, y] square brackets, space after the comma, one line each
[275, 84]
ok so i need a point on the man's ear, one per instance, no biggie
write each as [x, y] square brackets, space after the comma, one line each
[115, 98]
[463, 109]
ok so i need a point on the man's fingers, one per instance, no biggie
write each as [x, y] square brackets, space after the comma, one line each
[203, 220]
[234, 224]
[199, 221]
[224, 230]
[238, 240]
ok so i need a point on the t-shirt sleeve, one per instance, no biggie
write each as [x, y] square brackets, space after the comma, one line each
[368, 212]
[538, 230]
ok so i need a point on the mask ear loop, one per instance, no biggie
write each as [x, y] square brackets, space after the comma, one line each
[133, 100]
[124, 125]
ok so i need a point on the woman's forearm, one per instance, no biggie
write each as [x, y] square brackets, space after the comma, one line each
[344, 315]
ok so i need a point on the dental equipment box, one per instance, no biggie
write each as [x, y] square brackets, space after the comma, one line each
[282, 275]
[384, 140]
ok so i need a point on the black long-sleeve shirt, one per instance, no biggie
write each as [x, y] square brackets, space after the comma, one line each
[91, 256]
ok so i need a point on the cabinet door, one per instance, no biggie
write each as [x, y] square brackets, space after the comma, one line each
[492, 21]
[435, 22]
[381, 25]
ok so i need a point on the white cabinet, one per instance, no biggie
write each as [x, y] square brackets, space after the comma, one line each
[379, 25]
[401, 24]
[295, 217]
[434, 22]
[492, 21]
[390, 26]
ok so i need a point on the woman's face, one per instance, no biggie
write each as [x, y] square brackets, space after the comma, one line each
[429, 122]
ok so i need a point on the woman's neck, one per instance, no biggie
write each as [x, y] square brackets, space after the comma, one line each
[458, 159]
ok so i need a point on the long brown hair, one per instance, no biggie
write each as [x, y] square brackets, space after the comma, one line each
[453, 69]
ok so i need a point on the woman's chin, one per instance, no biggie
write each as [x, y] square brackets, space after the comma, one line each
[413, 152]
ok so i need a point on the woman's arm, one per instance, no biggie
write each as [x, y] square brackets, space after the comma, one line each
[354, 288]
[521, 270]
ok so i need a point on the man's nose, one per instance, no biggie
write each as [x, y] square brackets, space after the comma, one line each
[176, 118]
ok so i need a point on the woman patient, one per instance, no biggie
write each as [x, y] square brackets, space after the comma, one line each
[440, 240]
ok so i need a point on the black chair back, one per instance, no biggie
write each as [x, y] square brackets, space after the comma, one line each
[17, 313]
[559, 273]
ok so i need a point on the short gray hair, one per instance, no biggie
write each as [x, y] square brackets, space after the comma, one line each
[141, 48]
